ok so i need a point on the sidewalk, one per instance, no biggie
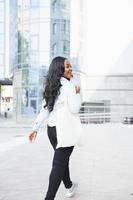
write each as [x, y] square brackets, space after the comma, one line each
[102, 165]
[13, 123]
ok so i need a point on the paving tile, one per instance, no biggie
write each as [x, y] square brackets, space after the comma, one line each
[102, 165]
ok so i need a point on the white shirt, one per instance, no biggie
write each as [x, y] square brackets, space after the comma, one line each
[74, 102]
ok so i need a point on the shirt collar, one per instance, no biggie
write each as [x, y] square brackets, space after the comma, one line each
[64, 79]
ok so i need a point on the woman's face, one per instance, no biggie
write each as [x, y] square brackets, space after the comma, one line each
[68, 69]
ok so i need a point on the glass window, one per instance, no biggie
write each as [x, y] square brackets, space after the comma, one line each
[34, 3]
[54, 48]
[1, 43]
[1, 6]
[24, 4]
[34, 14]
[64, 48]
[43, 3]
[34, 58]
[1, 28]
[25, 77]
[54, 28]
[1, 59]
[1, 11]
[33, 92]
[34, 43]
[1, 73]
[24, 97]
[34, 28]
[33, 76]
[26, 15]
[63, 4]
[54, 5]
[64, 28]
[33, 105]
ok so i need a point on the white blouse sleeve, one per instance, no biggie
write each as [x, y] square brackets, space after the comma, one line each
[74, 99]
[43, 115]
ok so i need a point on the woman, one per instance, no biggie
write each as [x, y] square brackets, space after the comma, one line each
[58, 95]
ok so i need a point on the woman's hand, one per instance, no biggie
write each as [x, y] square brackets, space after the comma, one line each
[32, 136]
[77, 89]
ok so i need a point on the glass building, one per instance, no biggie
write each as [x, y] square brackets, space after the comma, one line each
[43, 33]
[8, 36]
[8, 45]
[13, 37]
[2, 39]
[60, 28]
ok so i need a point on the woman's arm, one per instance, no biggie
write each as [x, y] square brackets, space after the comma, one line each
[74, 98]
[37, 123]
[43, 115]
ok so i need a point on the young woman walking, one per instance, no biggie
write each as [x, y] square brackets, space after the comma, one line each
[60, 97]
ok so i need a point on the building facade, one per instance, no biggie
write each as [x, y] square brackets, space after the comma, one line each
[2, 39]
[4, 34]
[105, 58]
[8, 36]
[8, 48]
[60, 28]
[109, 98]
[43, 33]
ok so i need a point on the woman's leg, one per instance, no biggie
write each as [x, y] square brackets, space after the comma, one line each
[52, 136]
[60, 161]
[62, 165]
[53, 140]
[66, 178]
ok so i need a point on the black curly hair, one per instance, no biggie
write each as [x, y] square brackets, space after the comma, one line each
[53, 84]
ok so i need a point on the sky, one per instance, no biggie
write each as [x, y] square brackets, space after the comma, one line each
[107, 35]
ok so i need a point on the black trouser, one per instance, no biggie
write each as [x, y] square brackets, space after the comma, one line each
[60, 167]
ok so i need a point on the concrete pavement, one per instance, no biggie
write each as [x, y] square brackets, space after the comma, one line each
[102, 165]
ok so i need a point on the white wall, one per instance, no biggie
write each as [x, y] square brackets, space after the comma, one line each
[106, 36]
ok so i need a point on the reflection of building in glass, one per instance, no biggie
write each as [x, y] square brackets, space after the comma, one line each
[8, 45]
[2, 39]
[8, 36]
[60, 28]
[28, 91]
[43, 32]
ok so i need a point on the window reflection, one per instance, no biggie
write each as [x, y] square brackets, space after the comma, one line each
[1, 28]
[34, 28]
[1, 43]
[24, 97]
[34, 3]
[54, 28]
[34, 57]
[32, 92]
[34, 42]
[54, 49]
[1, 59]
[34, 14]
[64, 48]
[54, 5]
[1, 9]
